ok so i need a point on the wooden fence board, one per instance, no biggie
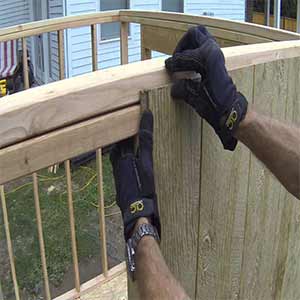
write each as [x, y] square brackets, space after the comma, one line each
[224, 178]
[267, 213]
[291, 275]
[177, 154]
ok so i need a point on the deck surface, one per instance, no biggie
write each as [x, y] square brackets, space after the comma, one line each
[115, 289]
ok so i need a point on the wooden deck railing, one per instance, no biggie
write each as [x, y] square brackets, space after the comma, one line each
[92, 111]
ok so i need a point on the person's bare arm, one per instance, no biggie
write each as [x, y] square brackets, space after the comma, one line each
[154, 279]
[277, 145]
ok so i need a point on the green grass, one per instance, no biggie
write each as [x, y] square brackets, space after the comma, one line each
[55, 216]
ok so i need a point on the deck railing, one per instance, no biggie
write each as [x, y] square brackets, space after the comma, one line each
[34, 124]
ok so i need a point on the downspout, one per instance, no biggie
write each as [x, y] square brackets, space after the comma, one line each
[267, 12]
[277, 13]
[66, 43]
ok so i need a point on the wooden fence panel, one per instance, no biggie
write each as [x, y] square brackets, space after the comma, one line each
[269, 212]
[224, 181]
[291, 269]
[177, 155]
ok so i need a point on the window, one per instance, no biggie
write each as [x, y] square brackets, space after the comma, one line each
[172, 5]
[112, 30]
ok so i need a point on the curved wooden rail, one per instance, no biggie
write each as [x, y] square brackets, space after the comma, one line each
[39, 27]
[37, 111]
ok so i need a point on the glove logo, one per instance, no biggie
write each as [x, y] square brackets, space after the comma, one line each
[231, 119]
[137, 206]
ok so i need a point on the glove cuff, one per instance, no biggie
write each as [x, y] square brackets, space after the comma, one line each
[231, 121]
[144, 207]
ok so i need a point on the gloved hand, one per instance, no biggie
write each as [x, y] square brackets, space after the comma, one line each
[214, 97]
[134, 179]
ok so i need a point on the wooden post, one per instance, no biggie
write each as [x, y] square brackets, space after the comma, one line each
[40, 234]
[124, 42]
[94, 46]
[145, 52]
[9, 243]
[61, 54]
[102, 231]
[25, 64]
[72, 226]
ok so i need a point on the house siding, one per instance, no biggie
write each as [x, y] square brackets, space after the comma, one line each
[79, 39]
[14, 12]
[55, 10]
[228, 9]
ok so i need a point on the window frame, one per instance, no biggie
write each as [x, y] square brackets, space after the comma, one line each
[113, 39]
[161, 4]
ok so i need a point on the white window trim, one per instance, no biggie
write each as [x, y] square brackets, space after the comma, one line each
[118, 39]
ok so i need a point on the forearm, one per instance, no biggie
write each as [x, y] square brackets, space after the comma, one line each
[277, 145]
[154, 279]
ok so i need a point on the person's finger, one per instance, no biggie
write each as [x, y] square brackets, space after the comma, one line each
[188, 60]
[192, 39]
[146, 138]
[121, 149]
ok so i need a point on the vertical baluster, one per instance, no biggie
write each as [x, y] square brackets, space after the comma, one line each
[40, 234]
[9, 243]
[102, 230]
[145, 52]
[72, 226]
[61, 54]
[124, 42]
[94, 46]
[25, 64]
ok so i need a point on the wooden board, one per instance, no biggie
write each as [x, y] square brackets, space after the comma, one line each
[177, 144]
[224, 182]
[252, 29]
[42, 109]
[43, 26]
[291, 270]
[35, 154]
[269, 212]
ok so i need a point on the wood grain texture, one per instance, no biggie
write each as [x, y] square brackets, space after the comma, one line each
[224, 182]
[35, 154]
[94, 41]
[42, 109]
[177, 155]
[252, 29]
[49, 25]
[61, 54]
[268, 212]
[25, 64]
[291, 270]
[124, 42]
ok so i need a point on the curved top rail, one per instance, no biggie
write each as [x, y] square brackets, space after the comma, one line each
[236, 26]
[43, 26]
[165, 19]
[46, 108]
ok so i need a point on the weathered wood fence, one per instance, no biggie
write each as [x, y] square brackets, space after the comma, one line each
[230, 231]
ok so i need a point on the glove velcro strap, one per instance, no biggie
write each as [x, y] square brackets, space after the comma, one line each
[232, 121]
[143, 207]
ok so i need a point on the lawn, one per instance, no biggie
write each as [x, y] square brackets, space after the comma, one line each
[55, 216]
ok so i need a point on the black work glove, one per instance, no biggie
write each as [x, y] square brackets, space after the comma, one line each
[214, 97]
[134, 177]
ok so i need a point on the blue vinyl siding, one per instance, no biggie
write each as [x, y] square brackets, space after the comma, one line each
[228, 9]
[55, 10]
[79, 39]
